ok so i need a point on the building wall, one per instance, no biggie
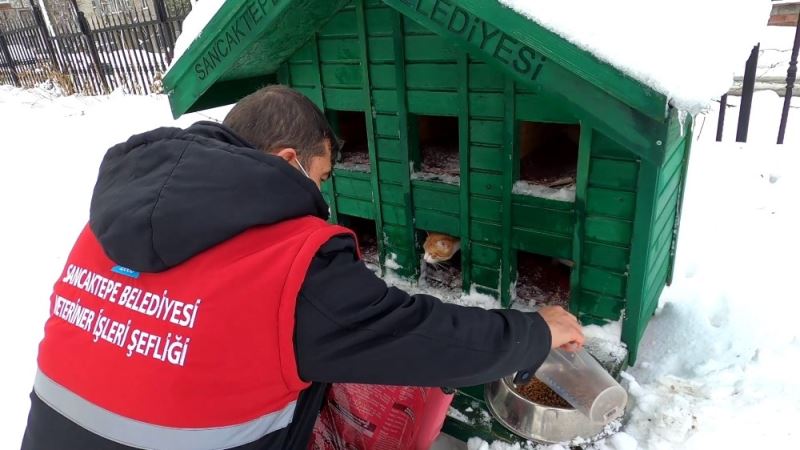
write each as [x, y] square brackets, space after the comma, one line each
[784, 14]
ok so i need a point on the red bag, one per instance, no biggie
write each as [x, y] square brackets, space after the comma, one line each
[375, 417]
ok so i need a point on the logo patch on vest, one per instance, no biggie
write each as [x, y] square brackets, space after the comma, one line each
[125, 271]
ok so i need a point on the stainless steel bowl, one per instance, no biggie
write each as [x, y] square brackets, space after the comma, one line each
[534, 421]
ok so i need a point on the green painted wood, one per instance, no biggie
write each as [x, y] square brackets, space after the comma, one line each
[346, 76]
[532, 201]
[483, 77]
[485, 208]
[489, 184]
[428, 103]
[633, 324]
[379, 21]
[387, 125]
[484, 231]
[393, 171]
[385, 100]
[242, 47]
[352, 186]
[508, 267]
[613, 174]
[464, 157]
[609, 230]
[355, 207]
[486, 131]
[602, 281]
[375, 170]
[607, 256]
[433, 76]
[486, 158]
[381, 50]
[598, 305]
[548, 220]
[486, 279]
[340, 50]
[344, 99]
[681, 191]
[430, 48]
[533, 241]
[486, 104]
[519, 32]
[608, 202]
[576, 303]
[430, 220]
[401, 151]
[486, 255]
[341, 25]
[606, 105]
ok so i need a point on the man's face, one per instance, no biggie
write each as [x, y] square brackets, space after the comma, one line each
[319, 169]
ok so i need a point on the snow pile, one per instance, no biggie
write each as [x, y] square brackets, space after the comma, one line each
[563, 194]
[193, 24]
[672, 46]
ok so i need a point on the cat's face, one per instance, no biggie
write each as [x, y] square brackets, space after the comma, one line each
[440, 247]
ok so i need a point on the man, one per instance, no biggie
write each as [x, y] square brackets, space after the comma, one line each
[207, 304]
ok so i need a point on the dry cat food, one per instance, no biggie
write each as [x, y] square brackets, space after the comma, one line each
[540, 393]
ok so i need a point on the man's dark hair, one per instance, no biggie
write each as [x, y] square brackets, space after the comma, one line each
[276, 117]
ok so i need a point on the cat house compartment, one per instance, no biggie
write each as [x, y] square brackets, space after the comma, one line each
[543, 280]
[548, 163]
[351, 128]
[441, 261]
[366, 233]
[434, 141]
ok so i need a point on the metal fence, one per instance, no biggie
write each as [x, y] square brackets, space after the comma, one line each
[748, 88]
[128, 50]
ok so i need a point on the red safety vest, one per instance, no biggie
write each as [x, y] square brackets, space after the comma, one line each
[206, 344]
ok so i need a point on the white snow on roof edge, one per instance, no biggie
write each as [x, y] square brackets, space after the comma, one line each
[193, 25]
[672, 46]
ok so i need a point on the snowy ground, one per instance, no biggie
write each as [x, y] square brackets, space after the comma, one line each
[717, 366]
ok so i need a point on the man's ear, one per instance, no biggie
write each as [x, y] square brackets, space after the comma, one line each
[288, 154]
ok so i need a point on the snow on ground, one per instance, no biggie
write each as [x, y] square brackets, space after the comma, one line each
[656, 41]
[51, 149]
[718, 365]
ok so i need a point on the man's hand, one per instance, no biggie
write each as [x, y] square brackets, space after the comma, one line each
[564, 328]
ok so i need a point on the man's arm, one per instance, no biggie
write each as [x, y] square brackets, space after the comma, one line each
[350, 327]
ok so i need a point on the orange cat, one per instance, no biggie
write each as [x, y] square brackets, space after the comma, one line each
[440, 247]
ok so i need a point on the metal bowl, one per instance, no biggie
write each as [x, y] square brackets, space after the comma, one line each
[534, 421]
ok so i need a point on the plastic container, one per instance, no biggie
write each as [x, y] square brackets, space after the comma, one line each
[580, 380]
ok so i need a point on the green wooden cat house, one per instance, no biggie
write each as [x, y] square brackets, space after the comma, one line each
[561, 176]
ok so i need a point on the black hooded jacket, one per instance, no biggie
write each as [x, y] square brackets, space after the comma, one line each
[168, 194]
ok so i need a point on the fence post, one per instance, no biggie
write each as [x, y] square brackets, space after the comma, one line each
[791, 74]
[7, 56]
[162, 16]
[83, 25]
[44, 34]
[748, 86]
[723, 104]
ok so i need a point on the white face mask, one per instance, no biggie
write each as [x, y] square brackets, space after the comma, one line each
[302, 169]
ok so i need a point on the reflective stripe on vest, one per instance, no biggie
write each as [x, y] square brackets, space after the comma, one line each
[139, 434]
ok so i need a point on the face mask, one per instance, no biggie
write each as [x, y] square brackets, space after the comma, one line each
[306, 174]
[302, 169]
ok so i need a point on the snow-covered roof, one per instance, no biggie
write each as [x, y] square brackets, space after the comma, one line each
[687, 50]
